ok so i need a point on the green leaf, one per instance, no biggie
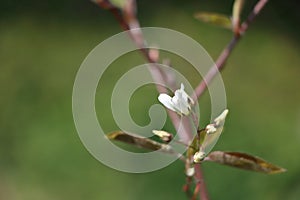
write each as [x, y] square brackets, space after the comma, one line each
[118, 3]
[193, 147]
[139, 141]
[109, 3]
[244, 161]
[214, 19]
[213, 132]
[202, 135]
[236, 13]
[209, 136]
[210, 140]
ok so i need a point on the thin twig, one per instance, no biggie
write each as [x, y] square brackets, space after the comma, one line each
[221, 61]
[220, 64]
[157, 73]
[203, 194]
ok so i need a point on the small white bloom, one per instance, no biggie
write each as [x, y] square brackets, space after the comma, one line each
[199, 156]
[164, 136]
[180, 103]
[190, 171]
[218, 123]
[210, 128]
[161, 133]
[166, 148]
[220, 120]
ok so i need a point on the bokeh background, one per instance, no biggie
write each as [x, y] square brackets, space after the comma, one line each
[42, 44]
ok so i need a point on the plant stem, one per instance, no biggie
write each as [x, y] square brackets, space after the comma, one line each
[203, 194]
[157, 73]
[160, 77]
[220, 64]
[221, 61]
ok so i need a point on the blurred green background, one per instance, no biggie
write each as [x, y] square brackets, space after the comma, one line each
[42, 44]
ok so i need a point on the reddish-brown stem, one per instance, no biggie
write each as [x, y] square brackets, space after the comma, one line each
[196, 191]
[158, 74]
[117, 14]
[186, 187]
[203, 194]
[219, 65]
[160, 77]
[221, 61]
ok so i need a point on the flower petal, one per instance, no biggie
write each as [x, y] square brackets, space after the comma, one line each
[199, 156]
[181, 102]
[166, 100]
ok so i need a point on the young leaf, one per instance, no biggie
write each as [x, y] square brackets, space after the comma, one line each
[210, 140]
[139, 141]
[244, 161]
[106, 4]
[213, 132]
[118, 3]
[209, 136]
[236, 13]
[215, 19]
[193, 147]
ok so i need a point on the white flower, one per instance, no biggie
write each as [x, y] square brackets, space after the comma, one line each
[190, 171]
[218, 123]
[164, 136]
[210, 128]
[199, 156]
[220, 120]
[180, 103]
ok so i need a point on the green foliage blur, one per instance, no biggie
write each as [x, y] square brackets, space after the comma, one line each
[42, 45]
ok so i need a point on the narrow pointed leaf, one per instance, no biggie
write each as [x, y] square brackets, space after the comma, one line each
[212, 133]
[210, 140]
[193, 147]
[244, 161]
[236, 13]
[202, 134]
[118, 3]
[139, 141]
[110, 3]
[214, 19]
[208, 137]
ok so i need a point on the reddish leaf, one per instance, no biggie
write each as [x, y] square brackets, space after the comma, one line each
[244, 161]
[139, 141]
